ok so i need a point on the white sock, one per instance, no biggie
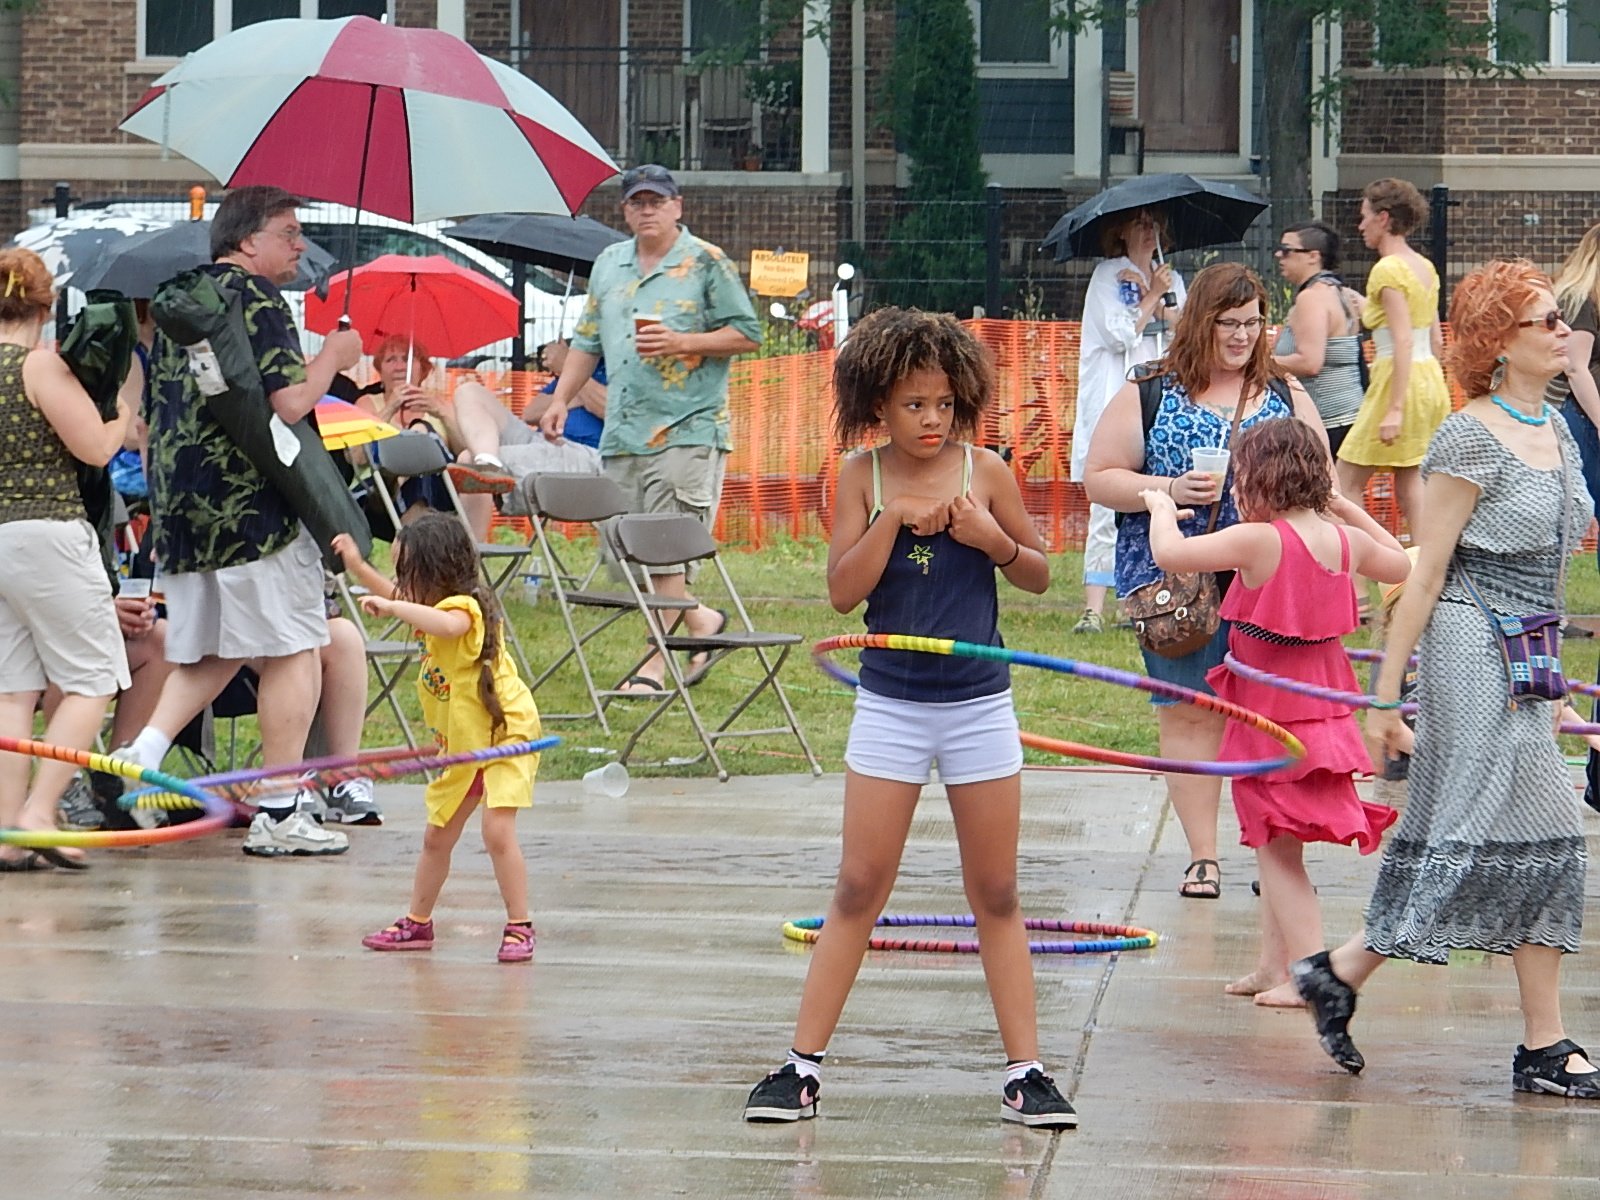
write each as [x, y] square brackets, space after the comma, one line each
[149, 748]
[1017, 1070]
[808, 1065]
[483, 459]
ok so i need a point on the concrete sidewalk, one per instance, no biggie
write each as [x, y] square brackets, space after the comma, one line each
[186, 1022]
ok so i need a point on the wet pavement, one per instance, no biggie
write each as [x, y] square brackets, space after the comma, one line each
[186, 1022]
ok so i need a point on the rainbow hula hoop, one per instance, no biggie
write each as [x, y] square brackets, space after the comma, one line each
[218, 811]
[1361, 700]
[1113, 938]
[390, 763]
[1293, 749]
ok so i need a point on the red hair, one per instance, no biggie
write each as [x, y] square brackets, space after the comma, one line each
[399, 343]
[1484, 313]
[25, 285]
[1193, 354]
[1280, 465]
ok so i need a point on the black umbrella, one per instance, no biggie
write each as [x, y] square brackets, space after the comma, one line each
[136, 266]
[562, 243]
[1198, 212]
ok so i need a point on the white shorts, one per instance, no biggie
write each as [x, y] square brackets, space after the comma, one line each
[57, 620]
[973, 741]
[270, 608]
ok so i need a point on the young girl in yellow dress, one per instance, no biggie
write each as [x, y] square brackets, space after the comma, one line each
[1407, 398]
[472, 698]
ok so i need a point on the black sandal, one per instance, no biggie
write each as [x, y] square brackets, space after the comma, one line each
[1332, 1002]
[1210, 888]
[1546, 1071]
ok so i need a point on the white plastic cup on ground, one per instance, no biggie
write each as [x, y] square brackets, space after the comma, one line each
[610, 781]
[1213, 460]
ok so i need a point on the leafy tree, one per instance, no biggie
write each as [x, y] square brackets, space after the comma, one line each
[935, 259]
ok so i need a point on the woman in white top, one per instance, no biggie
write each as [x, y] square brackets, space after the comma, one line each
[1125, 322]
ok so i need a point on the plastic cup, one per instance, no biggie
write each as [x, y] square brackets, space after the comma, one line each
[610, 781]
[1213, 460]
[640, 322]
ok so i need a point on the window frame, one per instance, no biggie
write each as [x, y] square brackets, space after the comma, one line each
[221, 24]
[1560, 31]
[1055, 66]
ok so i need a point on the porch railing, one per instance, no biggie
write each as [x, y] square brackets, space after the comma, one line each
[684, 107]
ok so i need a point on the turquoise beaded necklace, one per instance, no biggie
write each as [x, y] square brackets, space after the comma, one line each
[1516, 414]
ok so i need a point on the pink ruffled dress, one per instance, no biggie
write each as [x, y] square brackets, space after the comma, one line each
[1291, 626]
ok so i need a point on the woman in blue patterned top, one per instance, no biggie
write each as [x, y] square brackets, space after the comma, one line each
[1218, 361]
[921, 525]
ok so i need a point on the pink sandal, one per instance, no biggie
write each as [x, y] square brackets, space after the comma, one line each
[516, 943]
[404, 934]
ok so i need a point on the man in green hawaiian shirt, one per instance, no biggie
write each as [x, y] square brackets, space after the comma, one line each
[667, 310]
[241, 575]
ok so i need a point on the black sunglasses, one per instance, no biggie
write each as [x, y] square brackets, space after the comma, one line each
[1280, 250]
[1550, 320]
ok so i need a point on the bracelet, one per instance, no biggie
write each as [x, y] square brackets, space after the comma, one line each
[1014, 553]
[1383, 704]
[1170, 482]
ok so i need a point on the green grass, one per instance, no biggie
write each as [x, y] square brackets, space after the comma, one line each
[783, 588]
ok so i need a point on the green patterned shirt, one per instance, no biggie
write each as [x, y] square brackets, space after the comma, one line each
[678, 400]
[213, 509]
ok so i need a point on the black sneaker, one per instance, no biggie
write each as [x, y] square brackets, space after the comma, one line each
[1033, 1100]
[1332, 1002]
[784, 1095]
[1546, 1071]
[77, 808]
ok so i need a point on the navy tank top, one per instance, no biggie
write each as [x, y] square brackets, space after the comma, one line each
[933, 587]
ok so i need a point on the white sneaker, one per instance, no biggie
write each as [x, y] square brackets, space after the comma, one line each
[351, 803]
[309, 801]
[297, 833]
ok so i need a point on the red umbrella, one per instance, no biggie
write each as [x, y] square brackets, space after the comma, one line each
[410, 123]
[448, 309]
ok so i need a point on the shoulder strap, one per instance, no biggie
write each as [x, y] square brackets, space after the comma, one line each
[877, 483]
[966, 469]
[1233, 436]
[1151, 389]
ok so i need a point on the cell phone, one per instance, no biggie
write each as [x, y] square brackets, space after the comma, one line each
[134, 589]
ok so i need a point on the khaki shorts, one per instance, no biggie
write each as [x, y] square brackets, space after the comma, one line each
[57, 620]
[270, 608]
[680, 479]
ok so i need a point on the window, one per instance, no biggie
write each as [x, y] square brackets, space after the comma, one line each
[173, 28]
[1559, 33]
[724, 24]
[1014, 31]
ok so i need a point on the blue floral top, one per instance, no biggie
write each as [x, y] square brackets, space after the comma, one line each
[1180, 425]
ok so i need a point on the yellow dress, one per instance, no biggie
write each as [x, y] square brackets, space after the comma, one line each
[1427, 397]
[448, 687]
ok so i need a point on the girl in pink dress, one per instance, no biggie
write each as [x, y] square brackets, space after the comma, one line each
[1292, 601]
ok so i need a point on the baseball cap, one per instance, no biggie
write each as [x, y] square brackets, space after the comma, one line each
[648, 178]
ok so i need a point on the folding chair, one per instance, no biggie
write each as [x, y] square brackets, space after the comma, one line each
[660, 540]
[413, 454]
[587, 499]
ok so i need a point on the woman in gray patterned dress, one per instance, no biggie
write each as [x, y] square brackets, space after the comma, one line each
[1490, 852]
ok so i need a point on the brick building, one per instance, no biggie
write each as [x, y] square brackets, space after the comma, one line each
[789, 147]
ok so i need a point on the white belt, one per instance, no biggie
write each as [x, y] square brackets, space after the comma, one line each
[1421, 343]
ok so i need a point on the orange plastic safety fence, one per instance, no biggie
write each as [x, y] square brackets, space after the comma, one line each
[781, 474]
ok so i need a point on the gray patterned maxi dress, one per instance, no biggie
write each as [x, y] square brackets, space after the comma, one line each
[1489, 853]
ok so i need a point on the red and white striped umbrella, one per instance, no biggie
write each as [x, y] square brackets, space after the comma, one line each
[410, 123]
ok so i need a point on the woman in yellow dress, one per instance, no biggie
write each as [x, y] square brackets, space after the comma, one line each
[1406, 398]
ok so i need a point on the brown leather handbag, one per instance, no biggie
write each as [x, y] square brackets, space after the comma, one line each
[1177, 614]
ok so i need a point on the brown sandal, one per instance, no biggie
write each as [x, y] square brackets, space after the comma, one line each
[1206, 885]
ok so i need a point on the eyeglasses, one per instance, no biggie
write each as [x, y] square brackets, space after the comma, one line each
[646, 201]
[289, 233]
[1280, 250]
[1550, 320]
[1233, 325]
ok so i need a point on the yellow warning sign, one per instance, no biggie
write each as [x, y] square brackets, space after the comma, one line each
[774, 274]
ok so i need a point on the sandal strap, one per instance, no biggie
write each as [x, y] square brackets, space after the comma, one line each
[1560, 1050]
[517, 933]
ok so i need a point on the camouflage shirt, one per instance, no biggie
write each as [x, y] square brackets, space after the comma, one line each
[665, 400]
[213, 509]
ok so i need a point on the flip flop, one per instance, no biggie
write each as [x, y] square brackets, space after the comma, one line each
[31, 861]
[51, 855]
[644, 681]
[693, 674]
[1206, 885]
